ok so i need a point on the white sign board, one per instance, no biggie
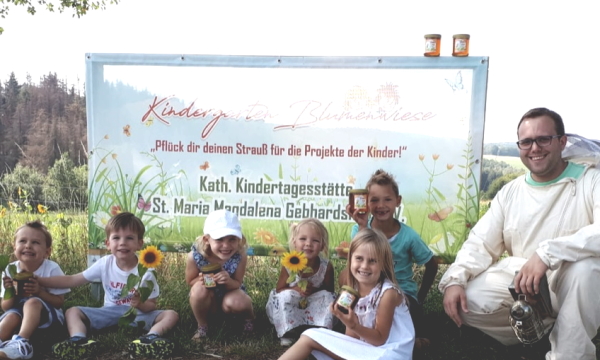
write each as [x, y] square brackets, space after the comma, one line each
[280, 139]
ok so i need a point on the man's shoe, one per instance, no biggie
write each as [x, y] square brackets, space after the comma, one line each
[16, 349]
[75, 348]
[151, 345]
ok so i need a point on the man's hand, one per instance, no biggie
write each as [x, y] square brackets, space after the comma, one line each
[528, 279]
[455, 300]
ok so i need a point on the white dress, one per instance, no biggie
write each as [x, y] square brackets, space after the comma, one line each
[400, 342]
[283, 308]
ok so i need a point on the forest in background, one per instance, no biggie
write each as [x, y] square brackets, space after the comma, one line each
[43, 146]
[41, 122]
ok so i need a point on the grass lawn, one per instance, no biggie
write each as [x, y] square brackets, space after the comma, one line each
[225, 340]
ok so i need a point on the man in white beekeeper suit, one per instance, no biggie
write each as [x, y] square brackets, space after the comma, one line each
[548, 221]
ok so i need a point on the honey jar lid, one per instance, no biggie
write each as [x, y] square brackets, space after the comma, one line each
[23, 275]
[210, 268]
[359, 191]
[461, 36]
[434, 36]
[351, 290]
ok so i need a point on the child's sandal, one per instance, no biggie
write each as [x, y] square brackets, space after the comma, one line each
[248, 325]
[200, 333]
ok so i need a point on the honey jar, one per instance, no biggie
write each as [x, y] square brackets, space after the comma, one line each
[207, 272]
[359, 201]
[20, 280]
[432, 44]
[347, 299]
[461, 45]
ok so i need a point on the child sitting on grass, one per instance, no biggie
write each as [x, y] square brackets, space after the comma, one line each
[125, 234]
[378, 327]
[285, 307]
[38, 308]
[224, 247]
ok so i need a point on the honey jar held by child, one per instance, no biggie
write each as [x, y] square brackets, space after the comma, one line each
[347, 299]
[207, 272]
[359, 200]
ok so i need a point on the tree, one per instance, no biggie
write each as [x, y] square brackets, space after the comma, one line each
[79, 7]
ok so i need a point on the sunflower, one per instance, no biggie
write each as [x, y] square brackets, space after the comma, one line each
[294, 261]
[151, 257]
[42, 209]
[265, 237]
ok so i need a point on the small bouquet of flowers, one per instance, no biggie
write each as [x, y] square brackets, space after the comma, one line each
[295, 263]
[150, 257]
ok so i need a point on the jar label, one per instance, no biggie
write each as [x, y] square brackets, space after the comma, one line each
[430, 45]
[460, 45]
[360, 202]
[345, 299]
[209, 281]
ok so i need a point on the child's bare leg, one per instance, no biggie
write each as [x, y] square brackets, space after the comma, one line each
[75, 319]
[201, 301]
[32, 311]
[8, 326]
[303, 347]
[238, 302]
[164, 322]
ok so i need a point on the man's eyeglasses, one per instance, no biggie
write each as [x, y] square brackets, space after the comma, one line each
[542, 141]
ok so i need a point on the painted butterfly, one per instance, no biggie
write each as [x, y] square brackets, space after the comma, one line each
[126, 130]
[205, 166]
[143, 205]
[236, 170]
[440, 214]
[456, 84]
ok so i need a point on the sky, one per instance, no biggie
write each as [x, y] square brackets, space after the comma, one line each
[538, 51]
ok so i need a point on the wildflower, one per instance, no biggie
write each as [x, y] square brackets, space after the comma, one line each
[351, 180]
[449, 166]
[294, 261]
[42, 209]
[421, 157]
[106, 137]
[266, 237]
[151, 257]
[435, 156]
[2, 212]
[114, 156]
[115, 210]
[101, 219]
[440, 214]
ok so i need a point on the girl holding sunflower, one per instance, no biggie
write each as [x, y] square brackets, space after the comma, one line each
[305, 287]
[124, 237]
[379, 326]
[222, 245]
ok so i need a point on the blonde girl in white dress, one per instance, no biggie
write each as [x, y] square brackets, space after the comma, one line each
[283, 307]
[379, 327]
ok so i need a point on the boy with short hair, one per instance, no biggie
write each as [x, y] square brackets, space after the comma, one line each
[38, 307]
[124, 236]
